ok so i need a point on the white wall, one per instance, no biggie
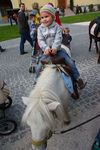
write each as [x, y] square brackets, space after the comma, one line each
[86, 2]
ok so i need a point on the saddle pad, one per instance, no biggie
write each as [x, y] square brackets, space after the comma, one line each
[95, 30]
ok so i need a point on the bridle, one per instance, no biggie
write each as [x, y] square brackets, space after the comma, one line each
[39, 143]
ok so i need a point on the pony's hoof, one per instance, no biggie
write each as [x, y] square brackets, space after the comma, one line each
[75, 96]
[67, 122]
[98, 61]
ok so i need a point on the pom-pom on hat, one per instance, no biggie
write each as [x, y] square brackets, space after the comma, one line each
[48, 8]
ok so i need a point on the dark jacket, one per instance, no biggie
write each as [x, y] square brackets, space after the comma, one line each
[98, 20]
[23, 22]
[67, 38]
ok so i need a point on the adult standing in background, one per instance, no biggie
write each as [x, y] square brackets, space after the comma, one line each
[23, 28]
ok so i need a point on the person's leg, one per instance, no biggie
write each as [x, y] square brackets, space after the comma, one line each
[29, 39]
[40, 64]
[22, 41]
[71, 63]
[2, 49]
[35, 43]
[34, 36]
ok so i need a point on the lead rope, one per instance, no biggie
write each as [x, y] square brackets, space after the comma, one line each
[70, 129]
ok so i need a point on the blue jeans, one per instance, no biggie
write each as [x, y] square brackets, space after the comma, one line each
[25, 36]
[69, 61]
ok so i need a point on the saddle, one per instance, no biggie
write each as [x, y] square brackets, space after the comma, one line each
[61, 65]
[57, 61]
[95, 29]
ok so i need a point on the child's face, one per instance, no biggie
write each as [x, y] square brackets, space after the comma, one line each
[32, 18]
[66, 31]
[46, 19]
[22, 7]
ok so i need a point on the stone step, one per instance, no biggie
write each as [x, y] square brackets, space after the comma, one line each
[69, 12]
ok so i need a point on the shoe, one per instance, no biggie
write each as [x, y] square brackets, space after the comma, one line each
[81, 85]
[32, 69]
[2, 50]
[23, 53]
[67, 122]
[74, 96]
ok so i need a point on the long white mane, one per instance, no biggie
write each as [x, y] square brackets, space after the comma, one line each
[44, 103]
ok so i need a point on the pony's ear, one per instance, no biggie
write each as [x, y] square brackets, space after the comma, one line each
[52, 106]
[57, 108]
[26, 100]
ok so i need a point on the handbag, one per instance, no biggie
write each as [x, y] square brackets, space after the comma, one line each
[4, 92]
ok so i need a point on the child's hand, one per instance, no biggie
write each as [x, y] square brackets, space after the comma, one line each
[53, 51]
[47, 51]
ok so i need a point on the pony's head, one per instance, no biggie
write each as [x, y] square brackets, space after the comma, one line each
[44, 107]
[41, 119]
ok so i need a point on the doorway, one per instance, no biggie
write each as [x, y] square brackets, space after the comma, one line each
[3, 9]
[62, 3]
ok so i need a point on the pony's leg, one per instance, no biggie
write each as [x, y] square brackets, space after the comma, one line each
[98, 59]
[96, 45]
[99, 55]
[62, 115]
[90, 43]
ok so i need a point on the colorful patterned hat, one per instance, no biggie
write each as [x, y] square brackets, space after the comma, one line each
[48, 8]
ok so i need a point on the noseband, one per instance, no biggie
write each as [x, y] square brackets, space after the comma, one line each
[39, 143]
[42, 142]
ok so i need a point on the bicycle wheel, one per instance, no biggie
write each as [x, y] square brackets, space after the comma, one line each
[7, 126]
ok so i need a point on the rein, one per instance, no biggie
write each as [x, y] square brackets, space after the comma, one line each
[70, 129]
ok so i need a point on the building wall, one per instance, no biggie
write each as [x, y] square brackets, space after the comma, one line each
[15, 3]
[28, 3]
[86, 2]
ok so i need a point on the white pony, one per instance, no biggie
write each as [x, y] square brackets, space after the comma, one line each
[46, 104]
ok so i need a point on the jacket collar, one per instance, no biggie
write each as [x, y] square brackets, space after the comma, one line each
[52, 25]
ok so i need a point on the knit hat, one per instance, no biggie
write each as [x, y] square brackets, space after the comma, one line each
[48, 8]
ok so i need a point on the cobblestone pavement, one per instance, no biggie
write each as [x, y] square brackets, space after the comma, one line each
[14, 70]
